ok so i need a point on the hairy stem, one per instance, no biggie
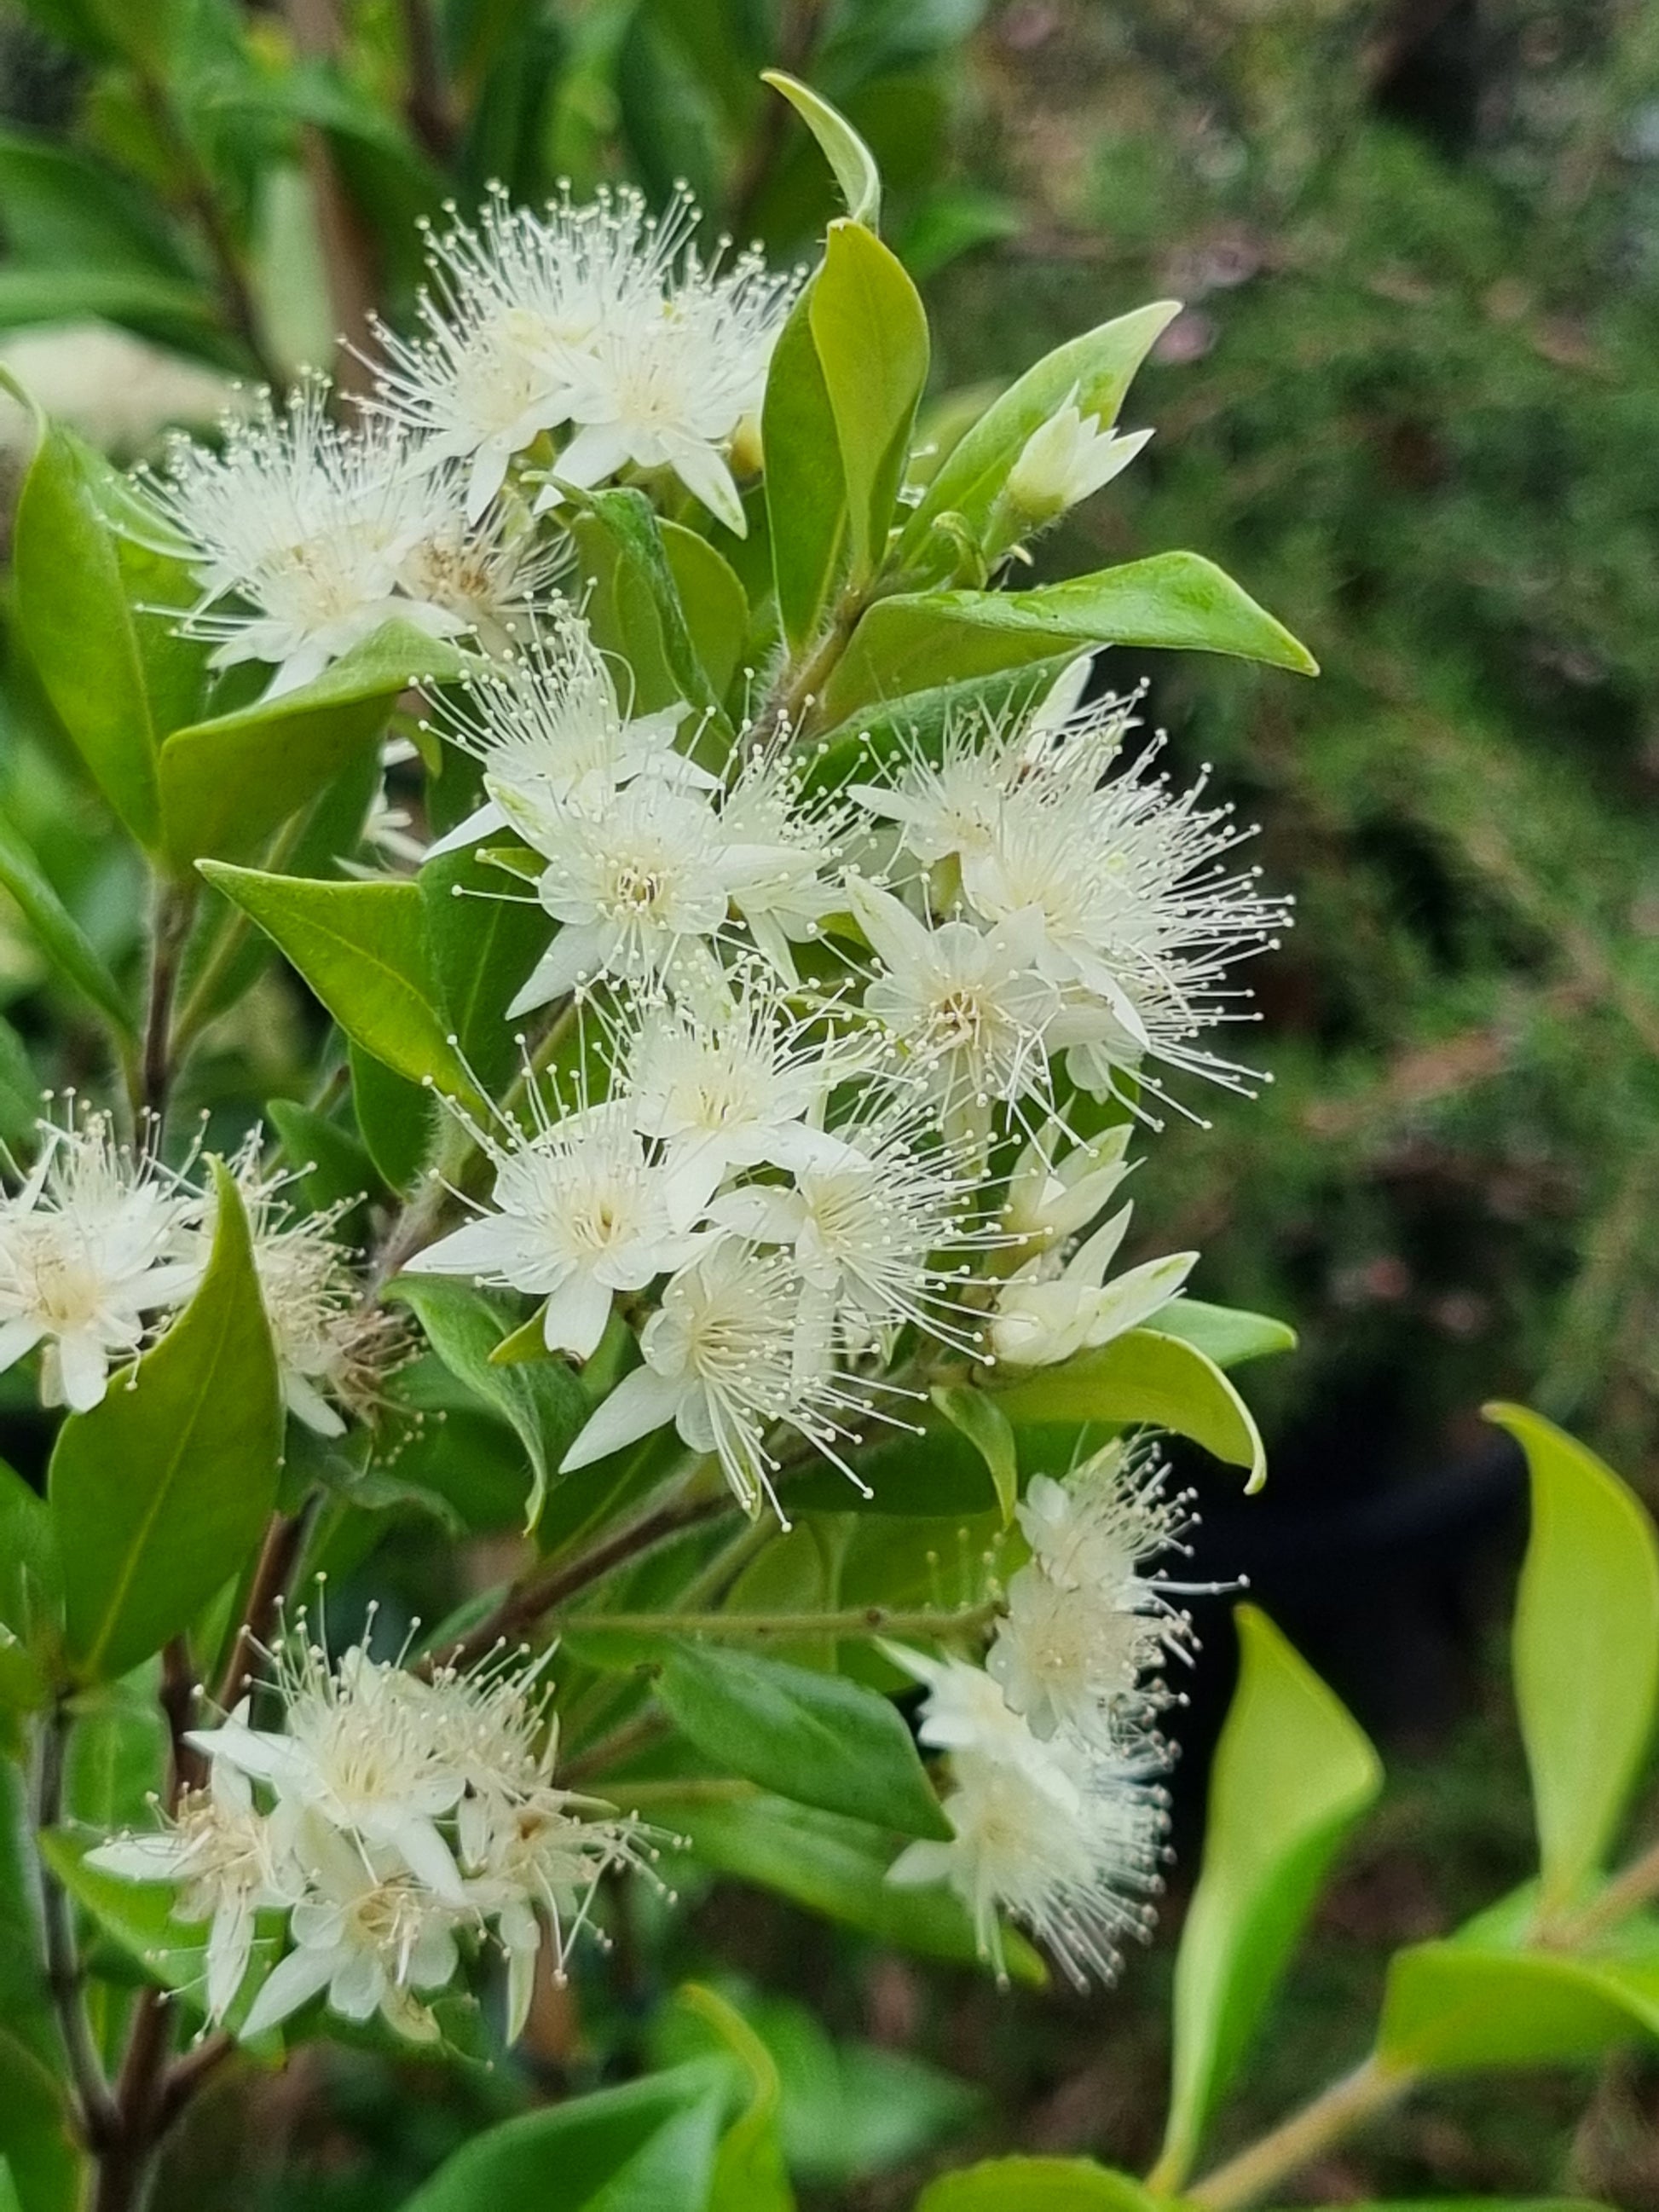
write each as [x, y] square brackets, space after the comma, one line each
[96, 2109]
[1255, 2173]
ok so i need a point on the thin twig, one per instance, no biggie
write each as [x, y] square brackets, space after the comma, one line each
[178, 1693]
[279, 1555]
[96, 2114]
[849, 1621]
[431, 119]
[1631, 1888]
[1370, 2089]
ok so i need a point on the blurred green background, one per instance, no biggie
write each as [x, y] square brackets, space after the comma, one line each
[1412, 402]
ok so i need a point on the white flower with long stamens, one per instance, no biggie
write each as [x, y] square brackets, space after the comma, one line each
[368, 1932]
[964, 1004]
[228, 1860]
[1086, 1623]
[548, 732]
[487, 578]
[1066, 460]
[357, 1753]
[1051, 1306]
[721, 1364]
[1052, 1196]
[1067, 1844]
[92, 1246]
[794, 838]
[583, 1207]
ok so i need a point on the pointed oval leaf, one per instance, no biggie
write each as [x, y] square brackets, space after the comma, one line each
[159, 1494]
[871, 332]
[362, 949]
[815, 1738]
[750, 2175]
[1176, 601]
[1036, 2184]
[987, 1428]
[1586, 1648]
[1227, 1334]
[1145, 1375]
[1452, 2006]
[850, 159]
[805, 487]
[60, 937]
[1292, 1772]
[1093, 372]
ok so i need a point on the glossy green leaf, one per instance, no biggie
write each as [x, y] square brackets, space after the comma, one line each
[483, 946]
[987, 1428]
[31, 1595]
[362, 948]
[838, 1868]
[396, 1118]
[1292, 1772]
[645, 589]
[1452, 2006]
[749, 2171]
[850, 159]
[1145, 1375]
[1093, 372]
[60, 937]
[227, 784]
[916, 725]
[1229, 1336]
[816, 1739]
[81, 632]
[648, 2147]
[1586, 1648]
[805, 489]
[1036, 2184]
[20, 1091]
[871, 332]
[713, 600]
[541, 1399]
[159, 1494]
[1176, 601]
[35, 2138]
[330, 1163]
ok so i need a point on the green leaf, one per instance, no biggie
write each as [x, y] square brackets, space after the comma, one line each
[1177, 601]
[916, 725]
[330, 1163]
[362, 949]
[749, 2172]
[19, 1090]
[871, 332]
[60, 936]
[850, 159]
[1227, 1334]
[837, 1868]
[805, 488]
[483, 946]
[1036, 2184]
[227, 784]
[159, 1494]
[1586, 1649]
[34, 2125]
[645, 591]
[74, 615]
[31, 1595]
[541, 1399]
[1454, 2006]
[1145, 1375]
[649, 2146]
[714, 603]
[990, 1433]
[1292, 1772]
[815, 1738]
[1094, 371]
[396, 1118]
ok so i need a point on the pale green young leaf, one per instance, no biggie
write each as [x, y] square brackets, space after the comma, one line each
[750, 2175]
[1292, 1772]
[816, 1739]
[227, 784]
[1147, 1375]
[805, 488]
[713, 600]
[643, 580]
[362, 948]
[1229, 1336]
[871, 332]
[1586, 1649]
[1036, 2184]
[648, 2147]
[988, 1429]
[541, 1399]
[1453, 2007]
[66, 945]
[851, 162]
[159, 1494]
[1176, 601]
[1093, 372]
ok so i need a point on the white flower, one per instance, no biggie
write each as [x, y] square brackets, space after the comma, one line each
[549, 733]
[366, 1931]
[358, 1753]
[793, 840]
[486, 578]
[1065, 459]
[92, 1243]
[1085, 1624]
[584, 1207]
[1065, 1843]
[720, 1363]
[229, 1861]
[1050, 1309]
[965, 1004]
[1048, 1201]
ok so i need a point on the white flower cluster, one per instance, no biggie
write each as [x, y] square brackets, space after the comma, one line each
[598, 325]
[100, 1246]
[1058, 1814]
[393, 1818]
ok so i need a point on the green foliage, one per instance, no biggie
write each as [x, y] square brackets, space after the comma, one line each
[870, 333]
[1034, 2184]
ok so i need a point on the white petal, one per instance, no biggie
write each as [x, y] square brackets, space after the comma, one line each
[641, 1401]
[293, 1981]
[479, 823]
[82, 1364]
[575, 1314]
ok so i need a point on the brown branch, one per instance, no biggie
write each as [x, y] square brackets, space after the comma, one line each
[278, 1557]
[95, 2113]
